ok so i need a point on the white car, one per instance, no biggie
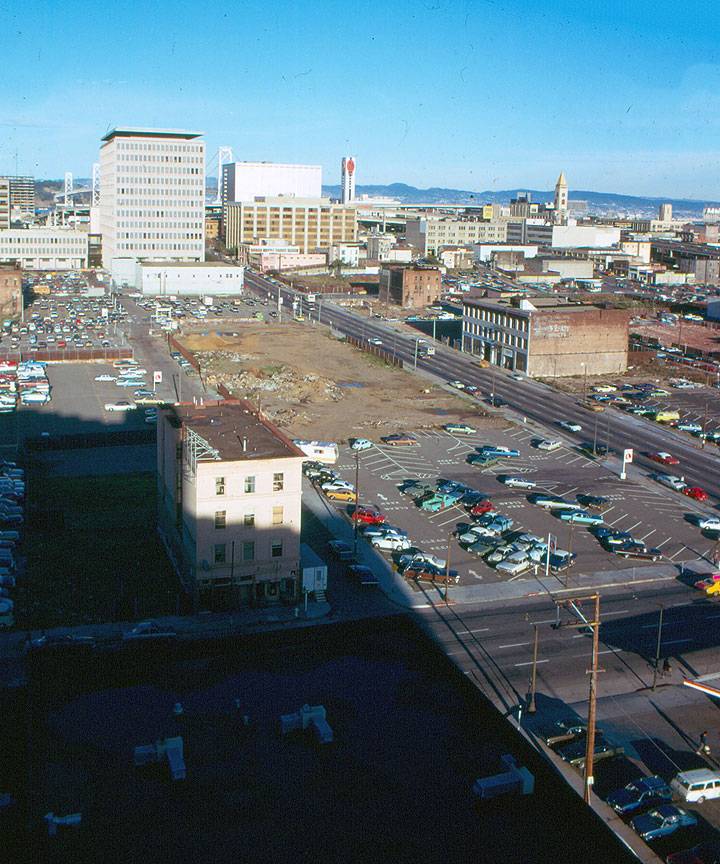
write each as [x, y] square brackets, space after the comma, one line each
[518, 483]
[122, 405]
[671, 481]
[337, 486]
[390, 542]
[569, 426]
[105, 377]
[708, 523]
[545, 444]
[375, 341]
[360, 444]
[422, 558]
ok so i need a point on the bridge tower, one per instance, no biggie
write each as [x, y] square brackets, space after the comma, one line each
[68, 188]
[96, 184]
[225, 155]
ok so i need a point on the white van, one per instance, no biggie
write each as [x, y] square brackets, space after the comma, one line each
[696, 786]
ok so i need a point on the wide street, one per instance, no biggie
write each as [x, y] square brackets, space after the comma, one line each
[530, 399]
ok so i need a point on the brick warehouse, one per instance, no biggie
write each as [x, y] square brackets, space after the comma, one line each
[547, 337]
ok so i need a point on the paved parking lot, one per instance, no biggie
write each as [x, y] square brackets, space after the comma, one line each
[701, 405]
[647, 512]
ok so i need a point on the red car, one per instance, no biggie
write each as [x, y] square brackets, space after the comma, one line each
[664, 458]
[697, 493]
[368, 516]
[481, 507]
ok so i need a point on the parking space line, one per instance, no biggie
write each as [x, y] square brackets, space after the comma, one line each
[649, 534]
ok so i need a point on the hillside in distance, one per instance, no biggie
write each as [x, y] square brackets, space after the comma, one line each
[599, 203]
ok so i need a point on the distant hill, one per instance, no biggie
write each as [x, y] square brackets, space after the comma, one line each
[599, 203]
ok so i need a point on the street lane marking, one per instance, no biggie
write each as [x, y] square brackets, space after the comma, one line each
[530, 662]
[515, 645]
[676, 641]
[465, 632]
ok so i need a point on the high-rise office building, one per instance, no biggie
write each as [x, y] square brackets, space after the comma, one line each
[245, 181]
[665, 213]
[22, 194]
[152, 195]
[347, 180]
[4, 203]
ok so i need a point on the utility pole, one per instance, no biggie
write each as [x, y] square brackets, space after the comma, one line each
[416, 353]
[533, 679]
[704, 426]
[584, 365]
[594, 625]
[658, 646]
[590, 750]
[595, 438]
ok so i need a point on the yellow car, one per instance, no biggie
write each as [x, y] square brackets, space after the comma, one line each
[341, 495]
[713, 588]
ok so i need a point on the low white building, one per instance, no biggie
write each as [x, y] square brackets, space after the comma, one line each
[186, 278]
[484, 251]
[45, 248]
[579, 236]
[346, 253]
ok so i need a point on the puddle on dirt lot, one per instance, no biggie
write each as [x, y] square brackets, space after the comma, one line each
[441, 412]
[350, 384]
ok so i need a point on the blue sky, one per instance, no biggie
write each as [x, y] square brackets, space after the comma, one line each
[623, 96]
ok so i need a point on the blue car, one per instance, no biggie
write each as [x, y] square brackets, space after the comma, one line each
[664, 820]
[500, 452]
[580, 517]
[641, 793]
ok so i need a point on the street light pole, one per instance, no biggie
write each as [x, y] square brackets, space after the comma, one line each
[416, 353]
[584, 365]
[533, 680]
[658, 647]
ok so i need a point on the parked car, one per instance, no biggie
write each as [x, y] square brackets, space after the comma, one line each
[567, 729]
[368, 515]
[341, 550]
[122, 405]
[390, 542]
[664, 820]
[686, 426]
[638, 550]
[697, 493]
[580, 517]
[500, 451]
[363, 574]
[708, 523]
[341, 495]
[671, 481]
[594, 502]
[360, 444]
[645, 792]
[482, 459]
[482, 507]
[400, 439]
[459, 429]
[574, 753]
[707, 852]
[150, 630]
[407, 558]
[548, 444]
[62, 641]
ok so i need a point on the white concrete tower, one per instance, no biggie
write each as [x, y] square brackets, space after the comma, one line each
[561, 197]
[347, 180]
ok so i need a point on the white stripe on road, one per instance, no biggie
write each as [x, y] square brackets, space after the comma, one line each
[530, 662]
[514, 645]
[464, 632]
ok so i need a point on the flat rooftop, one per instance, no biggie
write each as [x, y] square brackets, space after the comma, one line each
[141, 132]
[541, 305]
[203, 264]
[236, 430]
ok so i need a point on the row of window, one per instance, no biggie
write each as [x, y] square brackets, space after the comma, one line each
[143, 147]
[278, 483]
[246, 550]
[278, 518]
[158, 235]
[159, 247]
[132, 157]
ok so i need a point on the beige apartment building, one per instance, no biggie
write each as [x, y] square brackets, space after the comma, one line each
[308, 223]
[229, 492]
[429, 233]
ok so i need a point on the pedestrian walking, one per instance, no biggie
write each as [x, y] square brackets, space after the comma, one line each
[704, 748]
[666, 667]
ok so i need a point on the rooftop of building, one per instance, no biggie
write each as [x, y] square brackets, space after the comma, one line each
[290, 201]
[410, 266]
[236, 429]
[265, 163]
[202, 264]
[534, 305]
[142, 132]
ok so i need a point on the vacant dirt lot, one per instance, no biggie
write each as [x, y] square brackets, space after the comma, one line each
[315, 386]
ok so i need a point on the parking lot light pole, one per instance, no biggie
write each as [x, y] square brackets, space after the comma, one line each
[658, 646]
[357, 502]
[416, 353]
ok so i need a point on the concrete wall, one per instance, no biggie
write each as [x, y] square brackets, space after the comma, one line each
[561, 341]
[188, 281]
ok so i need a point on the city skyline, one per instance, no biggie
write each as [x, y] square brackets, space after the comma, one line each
[491, 96]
